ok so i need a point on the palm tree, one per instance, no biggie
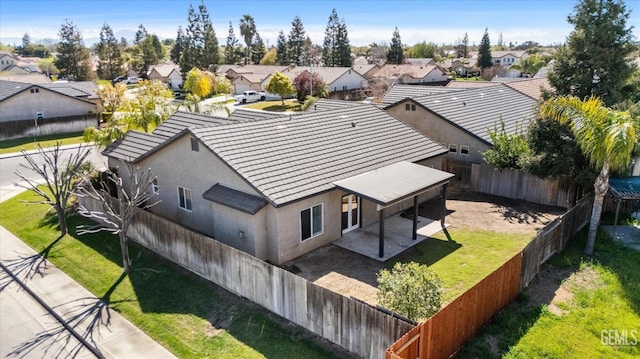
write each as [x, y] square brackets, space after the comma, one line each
[529, 65]
[607, 137]
[247, 30]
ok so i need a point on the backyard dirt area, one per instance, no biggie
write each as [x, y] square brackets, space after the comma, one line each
[352, 274]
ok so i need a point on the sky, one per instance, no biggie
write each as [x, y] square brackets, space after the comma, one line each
[368, 21]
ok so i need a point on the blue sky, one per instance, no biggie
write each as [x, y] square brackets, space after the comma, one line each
[441, 21]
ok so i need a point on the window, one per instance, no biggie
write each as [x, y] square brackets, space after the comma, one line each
[413, 107]
[39, 115]
[464, 150]
[184, 197]
[311, 222]
[35, 90]
[453, 148]
[194, 145]
[154, 186]
[410, 107]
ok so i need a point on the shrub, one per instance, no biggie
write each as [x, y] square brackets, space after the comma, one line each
[410, 289]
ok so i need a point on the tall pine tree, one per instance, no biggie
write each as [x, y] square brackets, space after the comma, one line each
[200, 42]
[231, 55]
[594, 59]
[178, 46]
[110, 63]
[484, 52]
[296, 46]
[336, 51]
[396, 53]
[210, 55]
[73, 60]
[258, 50]
[282, 51]
[140, 35]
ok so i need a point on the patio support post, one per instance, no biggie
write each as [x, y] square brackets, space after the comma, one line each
[615, 221]
[381, 234]
[444, 204]
[415, 217]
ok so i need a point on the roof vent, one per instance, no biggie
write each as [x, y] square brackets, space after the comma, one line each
[353, 124]
[464, 103]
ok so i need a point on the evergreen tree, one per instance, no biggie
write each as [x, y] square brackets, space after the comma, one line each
[210, 49]
[484, 52]
[178, 47]
[110, 64]
[141, 34]
[594, 59]
[336, 50]
[465, 45]
[200, 43]
[247, 30]
[258, 49]
[297, 37]
[282, 52]
[26, 42]
[231, 49]
[396, 54]
[73, 59]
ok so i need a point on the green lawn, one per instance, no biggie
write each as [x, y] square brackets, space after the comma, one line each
[276, 106]
[189, 316]
[464, 260]
[601, 315]
[29, 143]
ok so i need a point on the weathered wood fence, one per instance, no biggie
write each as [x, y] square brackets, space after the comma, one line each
[517, 184]
[553, 238]
[356, 326]
[444, 333]
[46, 126]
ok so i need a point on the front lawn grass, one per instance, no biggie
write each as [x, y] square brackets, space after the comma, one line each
[29, 143]
[600, 319]
[290, 105]
[188, 315]
[464, 260]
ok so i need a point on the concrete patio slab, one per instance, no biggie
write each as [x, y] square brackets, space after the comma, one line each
[628, 235]
[397, 237]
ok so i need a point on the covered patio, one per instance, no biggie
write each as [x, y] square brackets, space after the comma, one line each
[386, 187]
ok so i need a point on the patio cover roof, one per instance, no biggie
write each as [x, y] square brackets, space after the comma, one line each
[394, 183]
[625, 188]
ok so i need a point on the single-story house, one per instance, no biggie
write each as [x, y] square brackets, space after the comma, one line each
[413, 74]
[503, 58]
[461, 120]
[250, 77]
[279, 188]
[54, 107]
[168, 74]
[30, 78]
[7, 60]
[420, 61]
[340, 81]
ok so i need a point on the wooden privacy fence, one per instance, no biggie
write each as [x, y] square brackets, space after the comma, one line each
[553, 238]
[356, 326]
[46, 126]
[517, 184]
[445, 332]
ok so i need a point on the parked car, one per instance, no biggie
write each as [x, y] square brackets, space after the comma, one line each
[250, 96]
[118, 79]
[126, 80]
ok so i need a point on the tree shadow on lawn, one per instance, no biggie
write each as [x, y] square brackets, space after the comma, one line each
[85, 316]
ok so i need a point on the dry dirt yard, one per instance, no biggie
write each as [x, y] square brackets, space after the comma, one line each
[354, 275]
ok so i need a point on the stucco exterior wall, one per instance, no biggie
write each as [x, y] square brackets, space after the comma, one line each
[440, 131]
[25, 105]
[240, 230]
[351, 79]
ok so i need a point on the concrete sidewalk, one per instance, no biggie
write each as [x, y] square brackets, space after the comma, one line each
[118, 339]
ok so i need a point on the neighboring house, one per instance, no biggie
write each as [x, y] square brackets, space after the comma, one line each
[7, 60]
[532, 87]
[412, 74]
[504, 58]
[168, 74]
[250, 77]
[30, 78]
[461, 120]
[366, 70]
[324, 104]
[420, 61]
[342, 82]
[268, 187]
[471, 84]
[399, 92]
[55, 107]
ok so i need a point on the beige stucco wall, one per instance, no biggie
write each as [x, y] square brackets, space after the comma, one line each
[440, 131]
[351, 79]
[25, 105]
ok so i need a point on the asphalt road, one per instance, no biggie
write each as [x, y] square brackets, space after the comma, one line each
[10, 163]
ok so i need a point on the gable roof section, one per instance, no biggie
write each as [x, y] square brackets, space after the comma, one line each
[134, 145]
[235, 199]
[531, 87]
[471, 84]
[181, 120]
[248, 115]
[324, 104]
[414, 71]
[165, 70]
[399, 92]
[331, 74]
[477, 110]
[292, 158]
[11, 88]
[30, 78]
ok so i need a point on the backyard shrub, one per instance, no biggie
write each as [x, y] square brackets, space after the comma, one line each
[410, 289]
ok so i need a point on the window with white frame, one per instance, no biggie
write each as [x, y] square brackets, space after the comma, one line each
[154, 186]
[184, 198]
[311, 222]
[464, 150]
[453, 148]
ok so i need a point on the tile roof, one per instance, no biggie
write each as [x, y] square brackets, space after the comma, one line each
[165, 70]
[248, 115]
[415, 71]
[30, 78]
[477, 110]
[531, 87]
[327, 74]
[235, 199]
[75, 90]
[324, 104]
[292, 158]
[471, 84]
[399, 92]
[134, 145]
[181, 120]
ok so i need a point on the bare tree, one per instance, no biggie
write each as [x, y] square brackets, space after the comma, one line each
[57, 174]
[117, 213]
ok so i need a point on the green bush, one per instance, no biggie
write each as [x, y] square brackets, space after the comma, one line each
[410, 289]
